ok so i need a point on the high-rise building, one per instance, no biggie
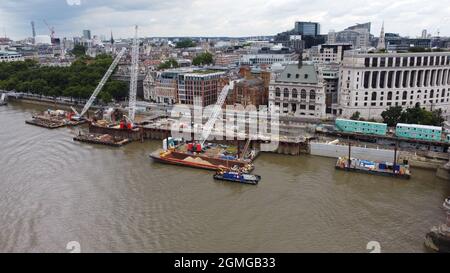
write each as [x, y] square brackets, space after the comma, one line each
[87, 34]
[307, 28]
[357, 35]
[371, 83]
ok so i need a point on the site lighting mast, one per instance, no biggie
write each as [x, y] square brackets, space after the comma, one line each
[134, 75]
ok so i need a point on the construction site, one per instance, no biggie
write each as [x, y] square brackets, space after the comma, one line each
[116, 127]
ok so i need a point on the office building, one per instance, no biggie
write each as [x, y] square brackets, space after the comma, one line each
[371, 83]
[358, 36]
[258, 59]
[200, 87]
[327, 59]
[297, 91]
[394, 42]
[307, 28]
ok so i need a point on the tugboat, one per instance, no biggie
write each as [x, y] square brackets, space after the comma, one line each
[237, 177]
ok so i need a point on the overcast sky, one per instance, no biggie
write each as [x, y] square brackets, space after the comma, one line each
[218, 18]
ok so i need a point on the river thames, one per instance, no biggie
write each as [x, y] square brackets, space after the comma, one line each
[54, 191]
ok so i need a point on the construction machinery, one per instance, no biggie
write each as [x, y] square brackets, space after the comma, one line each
[79, 116]
[134, 76]
[215, 113]
[52, 31]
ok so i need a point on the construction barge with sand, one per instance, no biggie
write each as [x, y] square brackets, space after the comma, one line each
[211, 156]
[104, 139]
[54, 119]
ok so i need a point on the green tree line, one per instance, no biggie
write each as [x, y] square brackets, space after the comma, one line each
[417, 115]
[77, 81]
[185, 43]
[203, 59]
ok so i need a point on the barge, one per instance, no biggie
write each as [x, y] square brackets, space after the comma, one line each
[54, 119]
[375, 168]
[104, 139]
[210, 157]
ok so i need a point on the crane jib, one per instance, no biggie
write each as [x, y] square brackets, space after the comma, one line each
[102, 82]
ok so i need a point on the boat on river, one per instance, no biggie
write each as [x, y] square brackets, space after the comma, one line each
[237, 177]
[372, 167]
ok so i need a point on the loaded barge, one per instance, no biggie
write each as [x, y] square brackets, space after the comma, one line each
[55, 119]
[102, 139]
[350, 164]
[211, 156]
[371, 167]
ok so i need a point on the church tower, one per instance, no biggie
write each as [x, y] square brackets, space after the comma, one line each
[382, 40]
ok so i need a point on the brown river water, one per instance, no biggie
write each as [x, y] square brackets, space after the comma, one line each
[54, 190]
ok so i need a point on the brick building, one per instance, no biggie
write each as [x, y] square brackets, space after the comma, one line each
[200, 87]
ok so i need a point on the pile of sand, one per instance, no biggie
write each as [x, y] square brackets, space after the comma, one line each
[197, 160]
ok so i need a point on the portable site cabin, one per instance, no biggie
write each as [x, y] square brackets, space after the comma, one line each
[362, 127]
[420, 132]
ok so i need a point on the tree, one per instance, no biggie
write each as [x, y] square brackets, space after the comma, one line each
[185, 43]
[355, 116]
[117, 90]
[414, 115]
[77, 81]
[171, 63]
[79, 51]
[105, 97]
[392, 115]
[203, 59]
[436, 118]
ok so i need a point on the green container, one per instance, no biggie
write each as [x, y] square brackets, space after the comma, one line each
[362, 127]
[419, 132]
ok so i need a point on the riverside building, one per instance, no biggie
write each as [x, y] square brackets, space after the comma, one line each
[298, 91]
[371, 83]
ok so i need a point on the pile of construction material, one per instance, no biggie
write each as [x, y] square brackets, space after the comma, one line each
[103, 139]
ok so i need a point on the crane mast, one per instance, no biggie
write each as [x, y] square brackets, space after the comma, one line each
[51, 29]
[102, 82]
[133, 75]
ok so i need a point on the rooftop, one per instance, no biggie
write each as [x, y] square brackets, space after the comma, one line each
[306, 74]
[428, 127]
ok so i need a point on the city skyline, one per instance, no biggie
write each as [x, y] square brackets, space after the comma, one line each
[168, 19]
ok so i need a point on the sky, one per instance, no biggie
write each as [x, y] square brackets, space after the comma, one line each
[233, 18]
